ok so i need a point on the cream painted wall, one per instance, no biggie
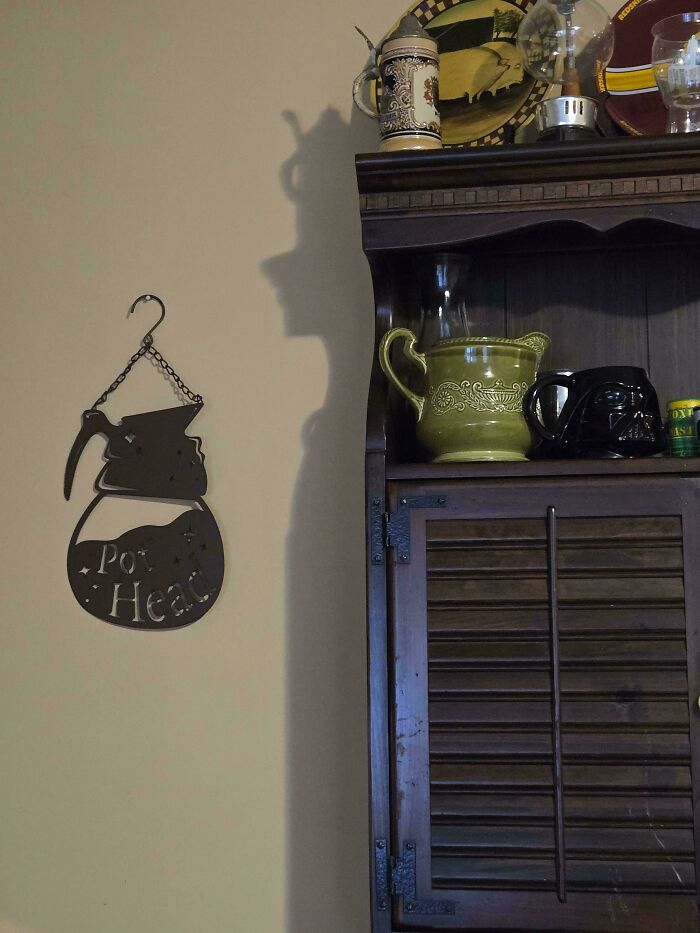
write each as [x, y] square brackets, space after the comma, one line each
[211, 779]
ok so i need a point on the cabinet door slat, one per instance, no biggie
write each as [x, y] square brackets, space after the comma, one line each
[526, 589]
[637, 715]
[655, 873]
[582, 808]
[577, 747]
[581, 842]
[590, 778]
[579, 622]
[644, 684]
[507, 561]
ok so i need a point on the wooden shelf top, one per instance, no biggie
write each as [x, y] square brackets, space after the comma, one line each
[414, 170]
[418, 200]
[531, 469]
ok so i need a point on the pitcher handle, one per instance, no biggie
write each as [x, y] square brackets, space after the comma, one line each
[367, 75]
[418, 401]
[532, 397]
[537, 342]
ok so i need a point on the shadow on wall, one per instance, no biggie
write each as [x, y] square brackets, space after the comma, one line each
[324, 288]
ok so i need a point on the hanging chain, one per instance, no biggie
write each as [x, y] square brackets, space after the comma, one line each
[147, 349]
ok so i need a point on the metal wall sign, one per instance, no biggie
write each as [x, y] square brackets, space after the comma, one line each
[161, 574]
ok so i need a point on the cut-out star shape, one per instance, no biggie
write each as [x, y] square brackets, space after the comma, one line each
[85, 571]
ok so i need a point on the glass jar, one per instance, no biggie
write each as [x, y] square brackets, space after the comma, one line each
[442, 279]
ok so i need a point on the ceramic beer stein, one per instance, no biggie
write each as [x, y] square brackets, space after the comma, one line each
[408, 69]
[474, 387]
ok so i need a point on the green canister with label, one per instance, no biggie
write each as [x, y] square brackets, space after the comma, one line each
[682, 428]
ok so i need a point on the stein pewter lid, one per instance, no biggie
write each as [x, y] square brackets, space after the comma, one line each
[409, 28]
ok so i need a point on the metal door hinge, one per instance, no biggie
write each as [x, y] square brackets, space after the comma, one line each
[393, 529]
[396, 877]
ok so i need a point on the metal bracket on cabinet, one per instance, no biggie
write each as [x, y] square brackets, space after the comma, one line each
[393, 529]
[396, 877]
[376, 529]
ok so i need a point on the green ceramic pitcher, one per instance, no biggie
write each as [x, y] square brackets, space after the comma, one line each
[474, 387]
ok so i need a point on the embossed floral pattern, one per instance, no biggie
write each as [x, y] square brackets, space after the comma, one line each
[397, 108]
[453, 396]
[443, 399]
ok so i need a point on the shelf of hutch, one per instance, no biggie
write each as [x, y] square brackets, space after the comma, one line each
[684, 466]
[533, 628]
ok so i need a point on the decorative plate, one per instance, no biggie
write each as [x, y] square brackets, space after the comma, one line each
[635, 102]
[485, 94]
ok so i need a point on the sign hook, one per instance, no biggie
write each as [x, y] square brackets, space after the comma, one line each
[148, 339]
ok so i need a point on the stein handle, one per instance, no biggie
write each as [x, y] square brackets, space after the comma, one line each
[530, 405]
[365, 76]
[411, 354]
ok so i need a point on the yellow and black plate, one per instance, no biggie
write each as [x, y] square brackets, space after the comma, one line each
[485, 94]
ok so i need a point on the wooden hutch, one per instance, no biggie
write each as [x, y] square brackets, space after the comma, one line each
[534, 628]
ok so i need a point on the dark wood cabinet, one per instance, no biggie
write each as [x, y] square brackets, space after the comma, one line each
[544, 643]
[534, 627]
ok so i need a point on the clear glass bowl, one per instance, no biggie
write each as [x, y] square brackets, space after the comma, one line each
[557, 37]
[675, 58]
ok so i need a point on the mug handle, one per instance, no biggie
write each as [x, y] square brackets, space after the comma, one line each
[530, 405]
[369, 74]
[418, 401]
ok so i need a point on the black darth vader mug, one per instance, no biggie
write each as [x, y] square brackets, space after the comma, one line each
[610, 411]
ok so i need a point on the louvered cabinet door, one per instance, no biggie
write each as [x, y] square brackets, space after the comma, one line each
[545, 690]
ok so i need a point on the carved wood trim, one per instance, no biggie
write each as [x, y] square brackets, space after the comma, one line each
[654, 188]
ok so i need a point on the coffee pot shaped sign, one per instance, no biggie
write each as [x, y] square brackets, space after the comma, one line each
[165, 572]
